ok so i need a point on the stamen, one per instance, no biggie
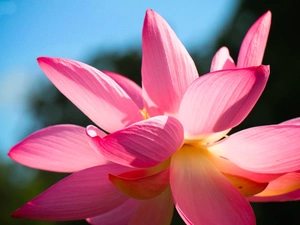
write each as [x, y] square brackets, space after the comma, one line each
[145, 113]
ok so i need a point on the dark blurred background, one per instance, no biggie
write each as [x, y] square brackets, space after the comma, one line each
[280, 101]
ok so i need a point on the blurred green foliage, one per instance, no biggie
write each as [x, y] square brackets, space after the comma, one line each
[280, 101]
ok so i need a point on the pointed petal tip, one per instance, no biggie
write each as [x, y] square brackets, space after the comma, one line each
[254, 43]
[224, 49]
[14, 214]
[152, 18]
[263, 70]
[39, 59]
[13, 151]
[149, 17]
[265, 18]
[10, 153]
[267, 15]
[44, 59]
[47, 61]
[19, 213]
[150, 13]
[222, 60]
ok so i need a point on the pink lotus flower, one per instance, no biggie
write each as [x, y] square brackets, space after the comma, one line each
[165, 144]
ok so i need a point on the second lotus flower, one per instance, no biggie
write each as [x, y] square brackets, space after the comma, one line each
[166, 143]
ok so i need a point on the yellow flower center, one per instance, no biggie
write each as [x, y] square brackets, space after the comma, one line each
[129, 183]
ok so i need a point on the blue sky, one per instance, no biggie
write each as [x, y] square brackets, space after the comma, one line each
[77, 29]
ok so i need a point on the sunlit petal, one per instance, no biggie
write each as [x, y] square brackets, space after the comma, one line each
[143, 144]
[167, 68]
[221, 100]
[61, 148]
[132, 89]
[93, 92]
[266, 149]
[254, 44]
[295, 121]
[228, 167]
[202, 195]
[222, 60]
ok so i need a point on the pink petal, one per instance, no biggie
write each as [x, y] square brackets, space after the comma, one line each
[222, 60]
[202, 195]
[167, 68]
[117, 216]
[132, 89]
[291, 196]
[221, 100]
[145, 187]
[284, 184]
[61, 148]
[227, 167]
[83, 194]
[254, 44]
[158, 210]
[93, 92]
[143, 144]
[266, 149]
[295, 121]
